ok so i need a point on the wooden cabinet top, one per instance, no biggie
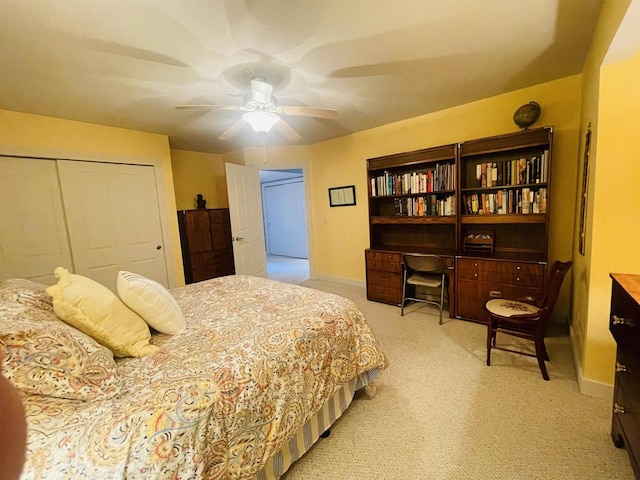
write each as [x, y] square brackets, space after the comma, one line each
[630, 282]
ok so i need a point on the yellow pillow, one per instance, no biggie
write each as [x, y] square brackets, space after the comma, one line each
[92, 308]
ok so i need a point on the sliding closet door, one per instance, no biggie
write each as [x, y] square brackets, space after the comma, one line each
[33, 231]
[113, 220]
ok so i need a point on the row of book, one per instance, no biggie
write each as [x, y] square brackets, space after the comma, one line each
[424, 206]
[440, 178]
[512, 201]
[519, 171]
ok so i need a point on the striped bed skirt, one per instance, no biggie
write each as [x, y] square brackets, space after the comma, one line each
[309, 433]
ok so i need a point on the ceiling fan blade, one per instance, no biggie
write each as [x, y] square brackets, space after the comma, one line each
[219, 107]
[287, 130]
[232, 130]
[302, 111]
[261, 90]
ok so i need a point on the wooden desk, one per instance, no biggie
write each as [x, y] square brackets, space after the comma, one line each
[384, 276]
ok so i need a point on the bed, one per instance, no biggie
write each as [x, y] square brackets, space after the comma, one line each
[259, 372]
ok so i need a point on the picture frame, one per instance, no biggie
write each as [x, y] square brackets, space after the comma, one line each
[342, 196]
[582, 240]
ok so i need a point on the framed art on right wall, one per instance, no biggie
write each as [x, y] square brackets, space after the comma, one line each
[585, 192]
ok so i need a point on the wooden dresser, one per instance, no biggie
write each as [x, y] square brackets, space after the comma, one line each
[624, 323]
[207, 250]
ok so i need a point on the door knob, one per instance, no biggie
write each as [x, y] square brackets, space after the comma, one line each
[238, 239]
[159, 247]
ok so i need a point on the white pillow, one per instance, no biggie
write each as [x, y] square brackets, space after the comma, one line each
[93, 309]
[151, 301]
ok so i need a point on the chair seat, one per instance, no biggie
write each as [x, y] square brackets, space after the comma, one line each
[425, 280]
[508, 308]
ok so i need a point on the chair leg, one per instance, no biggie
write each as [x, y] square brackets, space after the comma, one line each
[404, 292]
[441, 298]
[541, 355]
[490, 340]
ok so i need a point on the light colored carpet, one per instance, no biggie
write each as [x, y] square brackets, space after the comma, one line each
[441, 413]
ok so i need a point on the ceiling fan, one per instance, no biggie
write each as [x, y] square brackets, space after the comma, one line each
[262, 112]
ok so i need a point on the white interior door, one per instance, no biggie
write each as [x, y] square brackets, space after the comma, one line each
[113, 219]
[33, 230]
[286, 219]
[247, 229]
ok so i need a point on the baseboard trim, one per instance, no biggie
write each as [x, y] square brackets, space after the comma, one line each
[344, 281]
[585, 385]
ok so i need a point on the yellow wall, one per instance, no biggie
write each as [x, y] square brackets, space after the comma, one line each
[616, 223]
[342, 233]
[47, 137]
[195, 172]
[593, 347]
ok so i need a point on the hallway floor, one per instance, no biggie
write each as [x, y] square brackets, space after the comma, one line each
[287, 269]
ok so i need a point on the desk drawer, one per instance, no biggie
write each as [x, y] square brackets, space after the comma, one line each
[476, 275]
[521, 280]
[475, 265]
[385, 261]
[385, 279]
[380, 293]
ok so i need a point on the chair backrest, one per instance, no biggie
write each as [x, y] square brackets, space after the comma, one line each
[421, 262]
[554, 282]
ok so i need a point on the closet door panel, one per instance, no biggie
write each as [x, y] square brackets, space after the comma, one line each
[33, 230]
[138, 221]
[114, 220]
[88, 206]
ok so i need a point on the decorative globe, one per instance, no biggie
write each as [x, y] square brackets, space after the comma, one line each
[527, 114]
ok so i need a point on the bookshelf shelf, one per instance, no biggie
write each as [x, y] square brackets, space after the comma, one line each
[433, 219]
[504, 218]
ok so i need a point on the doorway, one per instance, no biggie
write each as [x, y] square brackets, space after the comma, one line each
[285, 224]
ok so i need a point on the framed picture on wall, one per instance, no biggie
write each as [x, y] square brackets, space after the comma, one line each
[342, 196]
[585, 193]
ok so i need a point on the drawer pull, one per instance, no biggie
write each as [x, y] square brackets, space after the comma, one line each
[518, 267]
[495, 294]
[618, 408]
[620, 367]
[623, 321]
[475, 275]
[517, 279]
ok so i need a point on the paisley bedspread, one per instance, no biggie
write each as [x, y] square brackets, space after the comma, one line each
[217, 401]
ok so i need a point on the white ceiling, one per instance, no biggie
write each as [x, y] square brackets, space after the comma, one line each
[127, 63]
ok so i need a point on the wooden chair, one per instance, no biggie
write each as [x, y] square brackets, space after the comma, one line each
[526, 318]
[423, 270]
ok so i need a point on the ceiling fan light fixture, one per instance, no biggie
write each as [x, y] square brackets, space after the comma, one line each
[261, 122]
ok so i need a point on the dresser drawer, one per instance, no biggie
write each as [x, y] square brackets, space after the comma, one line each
[386, 261]
[385, 279]
[628, 378]
[624, 321]
[380, 293]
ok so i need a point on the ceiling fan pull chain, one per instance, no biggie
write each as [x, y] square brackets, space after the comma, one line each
[264, 149]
